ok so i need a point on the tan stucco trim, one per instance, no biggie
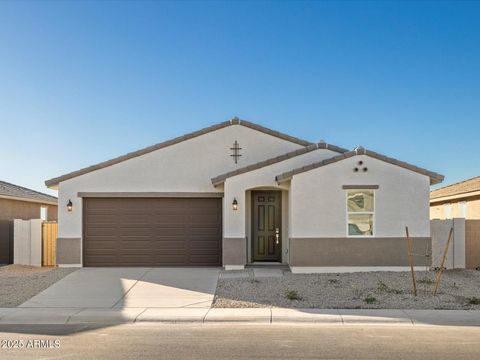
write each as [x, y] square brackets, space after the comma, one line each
[455, 196]
[368, 251]
[29, 200]
[69, 251]
[435, 178]
[346, 187]
[234, 251]
[150, 194]
[220, 179]
[235, 121]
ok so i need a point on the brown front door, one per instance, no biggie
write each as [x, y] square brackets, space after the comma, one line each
[266, 226]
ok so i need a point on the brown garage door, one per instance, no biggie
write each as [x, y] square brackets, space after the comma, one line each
[152, 232]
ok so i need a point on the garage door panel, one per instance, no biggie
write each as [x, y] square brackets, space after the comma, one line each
[152, 245]
[102, 218]
[205, 244]
[204, 259]
[101, 244]
[152, 232]
[100, 231]
[168, 219]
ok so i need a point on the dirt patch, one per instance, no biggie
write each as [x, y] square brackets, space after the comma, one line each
[19, 283]
[459, 289]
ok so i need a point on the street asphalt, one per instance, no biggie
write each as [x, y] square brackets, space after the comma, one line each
[223, 341]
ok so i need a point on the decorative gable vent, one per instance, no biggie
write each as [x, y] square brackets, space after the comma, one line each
[236, 151]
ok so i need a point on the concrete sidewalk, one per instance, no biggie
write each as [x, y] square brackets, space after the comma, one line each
[253, 316]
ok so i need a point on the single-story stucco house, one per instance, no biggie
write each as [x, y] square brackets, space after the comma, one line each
[18, 202]
[459, 200]
[237, 193]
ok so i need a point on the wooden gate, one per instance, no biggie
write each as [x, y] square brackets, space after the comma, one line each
[49, 243]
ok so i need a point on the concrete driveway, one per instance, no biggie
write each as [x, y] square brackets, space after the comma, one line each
[131, 288]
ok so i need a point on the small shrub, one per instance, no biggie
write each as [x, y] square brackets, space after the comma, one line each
[385, 288]
[292, 295]
[474, 301]
[370, 299]
[333, 281]
[425, 280]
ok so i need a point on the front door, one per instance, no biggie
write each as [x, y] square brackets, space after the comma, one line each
[266, 226]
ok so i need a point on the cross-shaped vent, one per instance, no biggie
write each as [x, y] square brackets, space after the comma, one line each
[236, 151]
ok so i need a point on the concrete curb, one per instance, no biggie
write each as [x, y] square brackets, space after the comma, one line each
[275, 316]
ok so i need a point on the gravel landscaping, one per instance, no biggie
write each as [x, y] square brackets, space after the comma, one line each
[19, 283]
[459, 289]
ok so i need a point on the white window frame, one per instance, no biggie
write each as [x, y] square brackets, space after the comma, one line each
[46, 212]
[361, 212]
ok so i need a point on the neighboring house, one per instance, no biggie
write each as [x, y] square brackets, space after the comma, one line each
[459, 200]
[17, 202]
[237, 193]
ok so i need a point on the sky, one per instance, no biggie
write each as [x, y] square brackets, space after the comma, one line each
[83, 82]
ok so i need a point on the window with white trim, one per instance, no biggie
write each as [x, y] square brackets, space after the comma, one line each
[43, 213]
[360, 212]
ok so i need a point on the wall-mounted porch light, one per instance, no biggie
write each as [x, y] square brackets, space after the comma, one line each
[235, 204]
[69, 205]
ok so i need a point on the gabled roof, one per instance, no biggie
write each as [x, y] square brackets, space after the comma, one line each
[321, 145]
[235, 121]
[8, 190]
[434, 177]
[460, 188]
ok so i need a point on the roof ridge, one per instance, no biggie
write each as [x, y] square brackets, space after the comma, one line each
[361, 151]
[28, 189]
[279, 158]
[234, 121]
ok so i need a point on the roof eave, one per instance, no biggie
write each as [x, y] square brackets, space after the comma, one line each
[435, 178]
[37, 201]
[52, 183]
[220, 179]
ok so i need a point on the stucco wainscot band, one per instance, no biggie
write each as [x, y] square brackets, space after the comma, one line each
[234, 253]
[69, 252]
[361, 252]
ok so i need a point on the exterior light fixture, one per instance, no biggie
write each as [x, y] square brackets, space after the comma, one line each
[69, 205]
[234, 204]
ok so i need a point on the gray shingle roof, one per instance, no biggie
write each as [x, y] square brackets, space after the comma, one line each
[321, 145]
[435, 178]
[15, 191]
[234, 121]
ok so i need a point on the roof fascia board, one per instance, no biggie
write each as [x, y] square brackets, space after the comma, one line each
[16, 198]
[455, 196]
[434, 177]
[220, 179]
[235, 121]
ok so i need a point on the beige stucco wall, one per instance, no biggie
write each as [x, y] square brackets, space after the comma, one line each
[437, 209]
[237, 223]
[15, 209]
[184, 167]
[263, 178]
[318, 201]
